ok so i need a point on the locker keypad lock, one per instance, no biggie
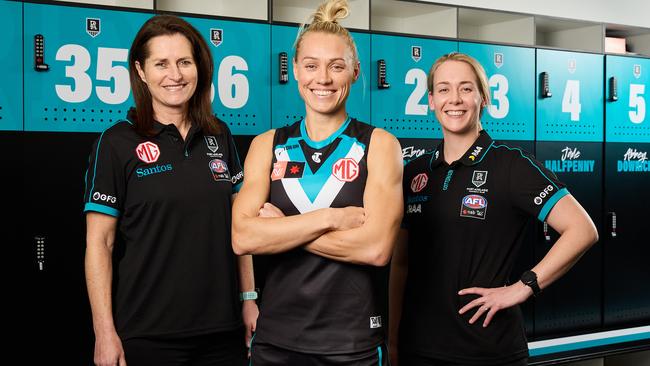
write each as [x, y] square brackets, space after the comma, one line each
[39, 54]
[547, 236]
[613, 224]
[381, 72]
[40, 251]
[546, 88]
[284, 68]
[613, 92]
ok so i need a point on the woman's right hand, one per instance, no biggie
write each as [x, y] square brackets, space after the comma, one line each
[346, 218]
[109, 351]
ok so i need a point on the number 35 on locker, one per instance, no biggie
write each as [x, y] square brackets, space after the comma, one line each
[85, 87]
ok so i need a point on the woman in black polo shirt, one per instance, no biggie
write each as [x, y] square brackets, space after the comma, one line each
[162, 278]
[466, 206]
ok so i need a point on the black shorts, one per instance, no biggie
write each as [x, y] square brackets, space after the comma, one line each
[263, 354]
[216, 349]
[406, 359]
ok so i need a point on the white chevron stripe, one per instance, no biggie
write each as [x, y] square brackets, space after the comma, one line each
[328, 192]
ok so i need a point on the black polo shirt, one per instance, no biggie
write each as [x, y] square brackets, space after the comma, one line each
[466, 223]
[173, 265]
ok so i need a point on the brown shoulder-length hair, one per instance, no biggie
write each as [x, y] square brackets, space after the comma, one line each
[199, 106]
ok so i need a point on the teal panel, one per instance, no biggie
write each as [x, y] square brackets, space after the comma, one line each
[402, 109]
[287, 105]
[627, 117]
[511, 74]
[86, 88]
[574, 112]
[241, 79]
[11, 93]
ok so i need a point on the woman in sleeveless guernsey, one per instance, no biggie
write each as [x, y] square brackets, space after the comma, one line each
[323, 199]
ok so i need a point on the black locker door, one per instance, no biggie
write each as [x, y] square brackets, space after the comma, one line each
[627, 247]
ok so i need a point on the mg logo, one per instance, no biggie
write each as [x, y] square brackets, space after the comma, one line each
[419, 182]
[148, 152]
[345, 170]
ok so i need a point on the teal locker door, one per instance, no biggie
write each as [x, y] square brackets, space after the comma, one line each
[11, 93]
[574, 110]
[626, 115]
[402, 108]
[570, 144]
[287, 105]
[627, 168]
[86, 88]
[241, 77]
[511, 73]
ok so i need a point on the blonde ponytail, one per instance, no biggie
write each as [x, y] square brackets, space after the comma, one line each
[326, 20]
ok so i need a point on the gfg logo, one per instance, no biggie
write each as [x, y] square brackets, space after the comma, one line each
[97, 196]
[540, 197]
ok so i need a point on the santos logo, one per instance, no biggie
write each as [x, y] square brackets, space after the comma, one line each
[103, 197]
[540, 197]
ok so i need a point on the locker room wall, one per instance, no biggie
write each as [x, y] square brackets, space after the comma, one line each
[57, 129]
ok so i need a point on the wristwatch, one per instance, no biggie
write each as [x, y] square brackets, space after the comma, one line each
[248, 295]
[529, 278]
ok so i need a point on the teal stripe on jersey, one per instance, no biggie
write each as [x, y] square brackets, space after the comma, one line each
[550, 203]
[327, 141]
[380, 356]
[101, 208]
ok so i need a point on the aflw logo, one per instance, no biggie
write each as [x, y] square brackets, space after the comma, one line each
[345, 170]
[148, 152]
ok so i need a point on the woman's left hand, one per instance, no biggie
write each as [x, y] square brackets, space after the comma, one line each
[249, 313]
[491, 300]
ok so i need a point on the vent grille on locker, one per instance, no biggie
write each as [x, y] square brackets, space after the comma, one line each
[238, 121]
[101, 118]
[400, 125]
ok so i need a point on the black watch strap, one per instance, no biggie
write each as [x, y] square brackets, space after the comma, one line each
[529, 278]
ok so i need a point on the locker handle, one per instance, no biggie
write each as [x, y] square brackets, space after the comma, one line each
[546, 87]
[613, 224]
[39, 53]
[381, 72]
[284, 67]
[547, 236]
[40, 251]
[613, 89]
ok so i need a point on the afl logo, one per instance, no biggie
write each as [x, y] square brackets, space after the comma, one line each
[148, 152]
[345, 170]
[218, 166]
[474, 201]
[419, 182]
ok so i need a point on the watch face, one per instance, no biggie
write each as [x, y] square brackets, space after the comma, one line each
[528, 277]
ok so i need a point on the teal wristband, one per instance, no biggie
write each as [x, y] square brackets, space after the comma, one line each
[248, 295]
